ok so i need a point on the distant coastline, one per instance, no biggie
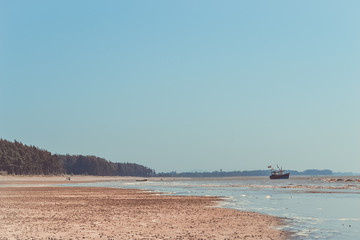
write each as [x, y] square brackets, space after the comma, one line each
[309, 172]
[17, 158]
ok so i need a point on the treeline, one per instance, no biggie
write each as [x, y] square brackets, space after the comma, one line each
[92, 165]
[313, 172]
[242, 173]
[215, 174]
[19, 159]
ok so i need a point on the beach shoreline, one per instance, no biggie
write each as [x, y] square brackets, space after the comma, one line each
[38, 207]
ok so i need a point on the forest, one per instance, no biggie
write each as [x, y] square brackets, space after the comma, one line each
[19, 159]
[92, 165]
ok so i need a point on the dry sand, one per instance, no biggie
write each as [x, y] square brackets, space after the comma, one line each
[50, 212]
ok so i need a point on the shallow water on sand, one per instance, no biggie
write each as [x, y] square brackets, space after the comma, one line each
[314, 207]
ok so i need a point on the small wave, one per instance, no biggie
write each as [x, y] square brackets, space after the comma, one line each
[341, 180]
[347, 186]
[349, 219]
[313, 220]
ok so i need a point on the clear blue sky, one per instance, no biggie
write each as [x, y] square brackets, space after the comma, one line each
[185, 85]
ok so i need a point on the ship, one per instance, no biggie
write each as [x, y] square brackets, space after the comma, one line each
[278, 174]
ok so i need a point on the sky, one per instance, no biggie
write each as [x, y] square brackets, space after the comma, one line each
[185, 85]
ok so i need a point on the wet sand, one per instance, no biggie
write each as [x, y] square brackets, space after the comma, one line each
[51, 212]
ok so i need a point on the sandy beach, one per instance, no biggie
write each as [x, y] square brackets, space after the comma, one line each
[32, 208]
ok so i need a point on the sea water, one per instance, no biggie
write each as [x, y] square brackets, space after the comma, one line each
[312, 207]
